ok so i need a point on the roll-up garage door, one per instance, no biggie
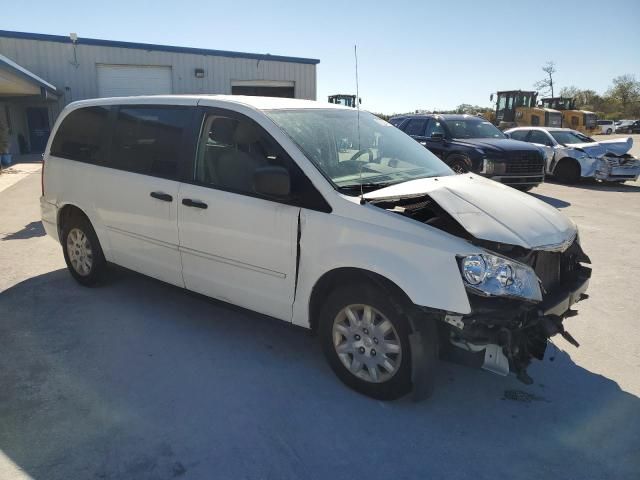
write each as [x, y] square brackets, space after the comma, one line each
[127, 80]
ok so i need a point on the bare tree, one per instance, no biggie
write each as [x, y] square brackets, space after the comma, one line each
[546, 84]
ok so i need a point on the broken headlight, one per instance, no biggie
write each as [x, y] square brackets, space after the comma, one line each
[491, 275]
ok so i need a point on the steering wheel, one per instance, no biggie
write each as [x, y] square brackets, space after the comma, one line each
[362, 152]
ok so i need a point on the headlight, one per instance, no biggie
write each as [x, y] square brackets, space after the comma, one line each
[493, 167]
[491, 275]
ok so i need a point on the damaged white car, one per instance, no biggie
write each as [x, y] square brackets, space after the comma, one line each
[571, 155]
[321, 216]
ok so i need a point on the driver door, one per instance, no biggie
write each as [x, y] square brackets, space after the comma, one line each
[236, 245]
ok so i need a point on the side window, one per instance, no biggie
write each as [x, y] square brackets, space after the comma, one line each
[148, 139]
[416, 126]
[539, 137]
[435, 126]
[519, 135]
[81, 135]
[232, 147]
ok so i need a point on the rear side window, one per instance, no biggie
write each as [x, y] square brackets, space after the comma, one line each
[519, 134]
[416, 127]
[81, 135]
[148, 140]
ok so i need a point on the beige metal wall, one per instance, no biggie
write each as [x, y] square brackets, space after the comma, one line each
[76, 77]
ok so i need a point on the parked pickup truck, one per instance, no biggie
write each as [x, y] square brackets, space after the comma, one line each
[472, 144]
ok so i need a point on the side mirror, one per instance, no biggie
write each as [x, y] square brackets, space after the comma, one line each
[507, 134]
[272, 181]
[437, 136]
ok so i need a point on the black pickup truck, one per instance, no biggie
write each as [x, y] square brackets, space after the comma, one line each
[472, 144]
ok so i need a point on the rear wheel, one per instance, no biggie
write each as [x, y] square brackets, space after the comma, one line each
[609, 131]
[365, 338]
[567, 171]
[82, 252]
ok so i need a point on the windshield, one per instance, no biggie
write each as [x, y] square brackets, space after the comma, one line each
[567, 138]
[473, 128]
[374, 155]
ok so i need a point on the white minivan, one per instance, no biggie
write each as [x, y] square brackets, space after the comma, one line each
[319, 215]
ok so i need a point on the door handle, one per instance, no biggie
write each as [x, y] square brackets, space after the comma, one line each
[193, 203]
[165, 197]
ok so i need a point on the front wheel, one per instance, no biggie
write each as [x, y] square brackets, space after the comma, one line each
[609, 131]
[365, 338]
[459, 164]
[567, 171]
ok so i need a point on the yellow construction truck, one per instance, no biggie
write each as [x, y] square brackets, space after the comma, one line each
[582, 120]
[517, 108]
[346, 100]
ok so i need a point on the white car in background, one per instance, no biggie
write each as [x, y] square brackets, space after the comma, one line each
[606, 126]
[571, 155]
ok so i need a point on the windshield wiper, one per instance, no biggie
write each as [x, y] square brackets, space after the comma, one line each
[364, 187]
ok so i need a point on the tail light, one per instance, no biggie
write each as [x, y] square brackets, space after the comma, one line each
[42, 176]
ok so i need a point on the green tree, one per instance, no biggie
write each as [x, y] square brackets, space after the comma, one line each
[625, 91]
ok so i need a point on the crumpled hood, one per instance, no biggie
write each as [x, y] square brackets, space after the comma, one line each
[618, 146]
[489, 210]
[495, 144]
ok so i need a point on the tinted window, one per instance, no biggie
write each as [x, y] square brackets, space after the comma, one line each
[473, 128]
[233, 147]
[416, 126]
[519, 134]
[80, 136]
[435, 126]
[147, 140]
[539, 137]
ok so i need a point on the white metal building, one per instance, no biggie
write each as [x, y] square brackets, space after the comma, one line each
[40, 74]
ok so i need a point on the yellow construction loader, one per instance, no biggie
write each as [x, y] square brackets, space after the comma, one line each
[582, 120]
[517, 108]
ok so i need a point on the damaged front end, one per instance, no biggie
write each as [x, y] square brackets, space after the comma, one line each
[608, 160]
[505, 334]
[528, 298]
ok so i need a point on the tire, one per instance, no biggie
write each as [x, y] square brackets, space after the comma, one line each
[384, 376]
[82, 251]
[609, 131]
[567, 171]
[459, 163]
[525, 188]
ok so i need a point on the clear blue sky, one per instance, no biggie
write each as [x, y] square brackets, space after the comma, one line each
[411, 54]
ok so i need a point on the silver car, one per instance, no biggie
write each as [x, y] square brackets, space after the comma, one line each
[571, 155]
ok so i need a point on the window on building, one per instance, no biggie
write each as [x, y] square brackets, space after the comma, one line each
[81, 135]
[416, 126]
[148, 140]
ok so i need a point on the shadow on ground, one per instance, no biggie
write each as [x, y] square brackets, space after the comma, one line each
[33, 229]
[140, 380]
[591, 184]
[554, 202]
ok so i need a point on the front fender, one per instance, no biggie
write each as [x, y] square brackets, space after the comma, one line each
[423, 264]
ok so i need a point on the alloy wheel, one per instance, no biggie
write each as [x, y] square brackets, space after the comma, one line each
[80, 252]
[367, 343]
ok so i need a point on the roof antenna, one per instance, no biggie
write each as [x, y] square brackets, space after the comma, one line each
[355, 53]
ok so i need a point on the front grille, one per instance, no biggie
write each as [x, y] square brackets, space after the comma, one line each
[524, 162]
[555, 268]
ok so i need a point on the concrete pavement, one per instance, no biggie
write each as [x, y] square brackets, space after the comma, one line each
[140, 380]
